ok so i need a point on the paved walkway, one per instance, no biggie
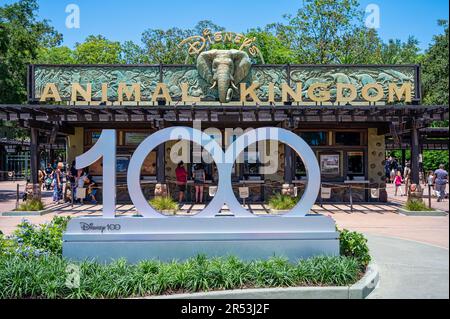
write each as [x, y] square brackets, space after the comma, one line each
[8, 195]
[430, 230]
[8, 224]
[409, 269]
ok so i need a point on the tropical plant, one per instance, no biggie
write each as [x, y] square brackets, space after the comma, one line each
[431, 158]
[164, 203]
[31, 205]
[416, 205]
[282, 202]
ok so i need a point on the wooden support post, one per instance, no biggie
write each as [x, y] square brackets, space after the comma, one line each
[351, 197]
[34, 159]
[415, 154]
[288, 164]
[160, 163]
[403, 160]
[429, 195]
[17, 197]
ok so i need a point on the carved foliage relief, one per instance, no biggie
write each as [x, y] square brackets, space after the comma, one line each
[359, 77]
[173, 76]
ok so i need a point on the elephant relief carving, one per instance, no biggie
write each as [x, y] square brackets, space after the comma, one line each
[224, 69]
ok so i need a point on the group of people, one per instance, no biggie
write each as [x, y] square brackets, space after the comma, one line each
[82, 185]
[199, 177]
[398, 179]
[51, 178]
[54, 178]
[391, 168]
[437, 179]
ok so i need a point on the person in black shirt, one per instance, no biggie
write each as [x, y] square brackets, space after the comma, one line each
[70, 189]
[91, 189]
[72, 173]
[48, 169]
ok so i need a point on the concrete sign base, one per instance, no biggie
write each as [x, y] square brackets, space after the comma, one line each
[179, 238]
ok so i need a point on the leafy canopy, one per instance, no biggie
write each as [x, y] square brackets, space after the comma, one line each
[21, 36]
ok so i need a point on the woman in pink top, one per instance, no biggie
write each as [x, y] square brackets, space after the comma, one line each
[398, 180]
[181, 175]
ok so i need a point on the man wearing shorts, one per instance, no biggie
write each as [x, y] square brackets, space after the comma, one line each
[440, 181]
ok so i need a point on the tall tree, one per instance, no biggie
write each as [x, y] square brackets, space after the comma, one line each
[273, 49]
[98, 50]
[21, 36]
[362, 46]
[398, 52]
[132, 53]
[55, 55]
[316, 33]
[435, 69]
[161, 46]
[207, 24]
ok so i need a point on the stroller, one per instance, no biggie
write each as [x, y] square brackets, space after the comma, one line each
[48, 182]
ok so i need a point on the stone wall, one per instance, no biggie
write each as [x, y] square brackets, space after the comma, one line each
[376, 157]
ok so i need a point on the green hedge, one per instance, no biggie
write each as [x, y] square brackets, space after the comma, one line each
[29, 239]
[354, 244]
[31, 266]
[45, 277]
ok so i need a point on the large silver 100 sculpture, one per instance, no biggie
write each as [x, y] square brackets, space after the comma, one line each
[292, 235]
[106, 148]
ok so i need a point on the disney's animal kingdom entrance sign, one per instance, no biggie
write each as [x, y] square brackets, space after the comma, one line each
[153, 235]
[223, 76]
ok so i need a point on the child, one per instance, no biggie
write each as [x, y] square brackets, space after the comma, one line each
[398, 180]
[430, 178]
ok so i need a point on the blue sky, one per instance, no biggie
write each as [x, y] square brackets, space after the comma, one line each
[122, 20]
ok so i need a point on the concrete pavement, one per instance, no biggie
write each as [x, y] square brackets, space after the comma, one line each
[431, 230]
[409, 270]
[8, 195]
